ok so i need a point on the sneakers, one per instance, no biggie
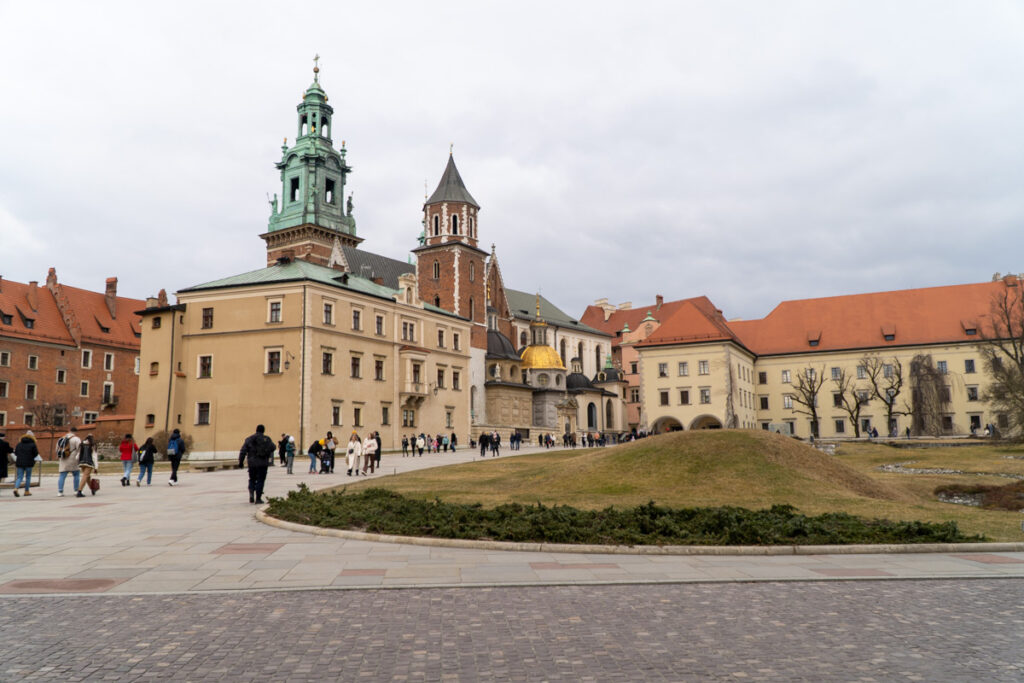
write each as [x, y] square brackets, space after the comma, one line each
[28, 493]
[60, 494]
[16, 494]
[79, 495]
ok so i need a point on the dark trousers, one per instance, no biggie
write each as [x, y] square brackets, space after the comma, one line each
[175, 463]
[257, 478]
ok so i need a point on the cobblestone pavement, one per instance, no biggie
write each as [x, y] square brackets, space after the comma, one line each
[836, 631]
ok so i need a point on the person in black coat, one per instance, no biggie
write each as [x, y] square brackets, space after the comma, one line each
[259, 449]
[5, 452]
[24, 460]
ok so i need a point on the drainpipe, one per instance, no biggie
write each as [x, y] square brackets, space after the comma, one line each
[302, 377]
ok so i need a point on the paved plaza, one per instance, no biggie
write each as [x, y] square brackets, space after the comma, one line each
[187, 583]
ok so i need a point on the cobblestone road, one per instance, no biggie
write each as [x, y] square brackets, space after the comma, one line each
[831, 631]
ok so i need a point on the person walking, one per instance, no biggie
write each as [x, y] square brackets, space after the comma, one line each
[353, 453]
[25, 454]
[258, 449]
[175, 449]
[369, 451]
[376, 456]
[5, 454]
[453, 442]
[330, 445]
[485, 440]
[405, 445]
[289, 453]
[313, 453]
[68, 447]
[129, 452]
[420, 443]
[147, 456]
[87, 464]
[282, 448]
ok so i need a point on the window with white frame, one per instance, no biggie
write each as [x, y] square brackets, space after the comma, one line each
[787, 401]
[83, 389]
[836, 372]
[703, 367]
[205, 367]
[202, 413]
[62, 376]
[786, 378]
[5, 359]
[33, 362]
[328, 313]
[86, 358]
[684, 369]
[108, 362]
[274, 311]
[30, 392]
[108, 393]
[273, 362]
[662, 369]
[705, 395]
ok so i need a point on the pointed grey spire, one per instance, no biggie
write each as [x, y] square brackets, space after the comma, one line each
[451, 188]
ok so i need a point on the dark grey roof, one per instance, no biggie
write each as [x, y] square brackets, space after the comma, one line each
[576, 380]
[451, 188]
[610, 375]
[388, 269]
[498, 346]
[524, 307]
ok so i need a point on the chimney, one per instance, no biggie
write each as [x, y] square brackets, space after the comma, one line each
[161, 298]
[659, 300]
[51, 279]
[377, 279]
[32, 296]
[151, 302]
[111, 296]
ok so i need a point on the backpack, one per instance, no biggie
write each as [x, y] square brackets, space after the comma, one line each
[64, 447]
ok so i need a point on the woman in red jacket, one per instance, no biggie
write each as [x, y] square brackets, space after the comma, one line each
[129, 450]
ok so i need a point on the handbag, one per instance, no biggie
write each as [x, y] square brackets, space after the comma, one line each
[94, 484]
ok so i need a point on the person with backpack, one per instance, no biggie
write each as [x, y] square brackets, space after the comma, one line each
[147, 456]
[68, 447]
[175, 449]
[25, 454]
[129, 454]
[259, 450]
[289, 452]
[87, 464]
[314, 453]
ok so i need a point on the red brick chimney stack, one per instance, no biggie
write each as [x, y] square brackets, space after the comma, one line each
[660, 300]
[32, 295]
[111, 296]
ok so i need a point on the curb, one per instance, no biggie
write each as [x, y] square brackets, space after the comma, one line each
[741, 550]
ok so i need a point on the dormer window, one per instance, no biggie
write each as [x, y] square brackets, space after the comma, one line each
[971, 331]
[889, 332]
[6, 318]
[890, 337]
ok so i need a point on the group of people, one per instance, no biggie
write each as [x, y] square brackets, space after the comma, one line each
[78, 457]
[361, 455]
[413, 445]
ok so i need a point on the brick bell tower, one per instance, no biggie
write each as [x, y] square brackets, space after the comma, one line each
[450, 265]
[312, 220]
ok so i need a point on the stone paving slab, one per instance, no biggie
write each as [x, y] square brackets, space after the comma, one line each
[203, 535]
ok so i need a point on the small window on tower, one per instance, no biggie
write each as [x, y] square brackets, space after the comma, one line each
[305, 125]
[293, 192]
[437, 225]
[329, 191]
[325, 127]
[437, 301]
[455, 225]
[437, 270]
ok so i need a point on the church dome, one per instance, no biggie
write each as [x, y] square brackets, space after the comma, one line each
[577, 380]
[541, 357]
[499, 347]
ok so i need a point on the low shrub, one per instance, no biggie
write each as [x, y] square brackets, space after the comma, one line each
[382, 511]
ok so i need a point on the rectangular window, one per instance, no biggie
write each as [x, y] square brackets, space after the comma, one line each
[273, 362]
[662, 369]
[357, 320]
[865, 425]
[862, 372]
[327, 363]
[33, 362]
[888, 370]
[408, 418]
[836, 372]
[3, 389]
[947, 396]
[409, 332]
[5, 359]
[150, 419]
[154, 369]
[356, 367]
[663, 397]
[942, 367]
[336, 416]
[108, 361]
[84, 389]
[947, 423]
[378, 325]
[328, 314]
[416, 373]
[1003, 421]
[633, 367]
[684, 369]
[448, 419]
[202, 413]
[634, 395]
[684, 397]
[90, 417]
[455, 341]
[274, 314]
[156, 323]
[108, 393]
[764, 402]
[385, 415]
[440, 378]
[3, 419]
[969, 365]
[786, 379]
[703, 367]
[30, 392]
[440, 339]
[840, 426]
[837, 400]
[378, 370]
[30, 419]
[762, 378]
[62, 376]
[972, 393]
[86, 358]
[705, 395]
[863, 397]
[456, 380]
[207, 318]
[357, 417]
[205, 367]
[787, 402]
[810, 374]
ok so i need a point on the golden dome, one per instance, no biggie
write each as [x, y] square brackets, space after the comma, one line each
[541, 357]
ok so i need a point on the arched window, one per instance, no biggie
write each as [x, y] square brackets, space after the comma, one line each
[597, 358]
[437, 270]
[561, 350]
[591, 416]
[325, 127]
[472, 271]
[437, 301]
[579, 352]
[437, 225]
[471, 308]
[496, 371]
[455, 224]
[470, 231]
[522, 338]
[609, 421]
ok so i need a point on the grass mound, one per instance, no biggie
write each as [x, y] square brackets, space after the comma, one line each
[378, 510]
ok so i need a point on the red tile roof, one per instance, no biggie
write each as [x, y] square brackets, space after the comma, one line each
[47, 323]
[694, 321]
[593, 316]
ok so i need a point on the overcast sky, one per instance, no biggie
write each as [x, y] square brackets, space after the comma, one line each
[750, 151]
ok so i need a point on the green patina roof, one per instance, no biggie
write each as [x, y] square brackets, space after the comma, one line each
[299, 270]
[524, 307]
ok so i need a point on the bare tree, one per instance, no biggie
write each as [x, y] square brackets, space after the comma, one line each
[49, 418]
[851, 398]
[807, 385]
[930, 395]
[886, 380]
[1002, 351]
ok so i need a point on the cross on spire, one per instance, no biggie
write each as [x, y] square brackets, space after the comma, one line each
[316, 68]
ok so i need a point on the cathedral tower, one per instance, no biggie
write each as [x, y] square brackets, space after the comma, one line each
[449, 262]
[311, 218]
